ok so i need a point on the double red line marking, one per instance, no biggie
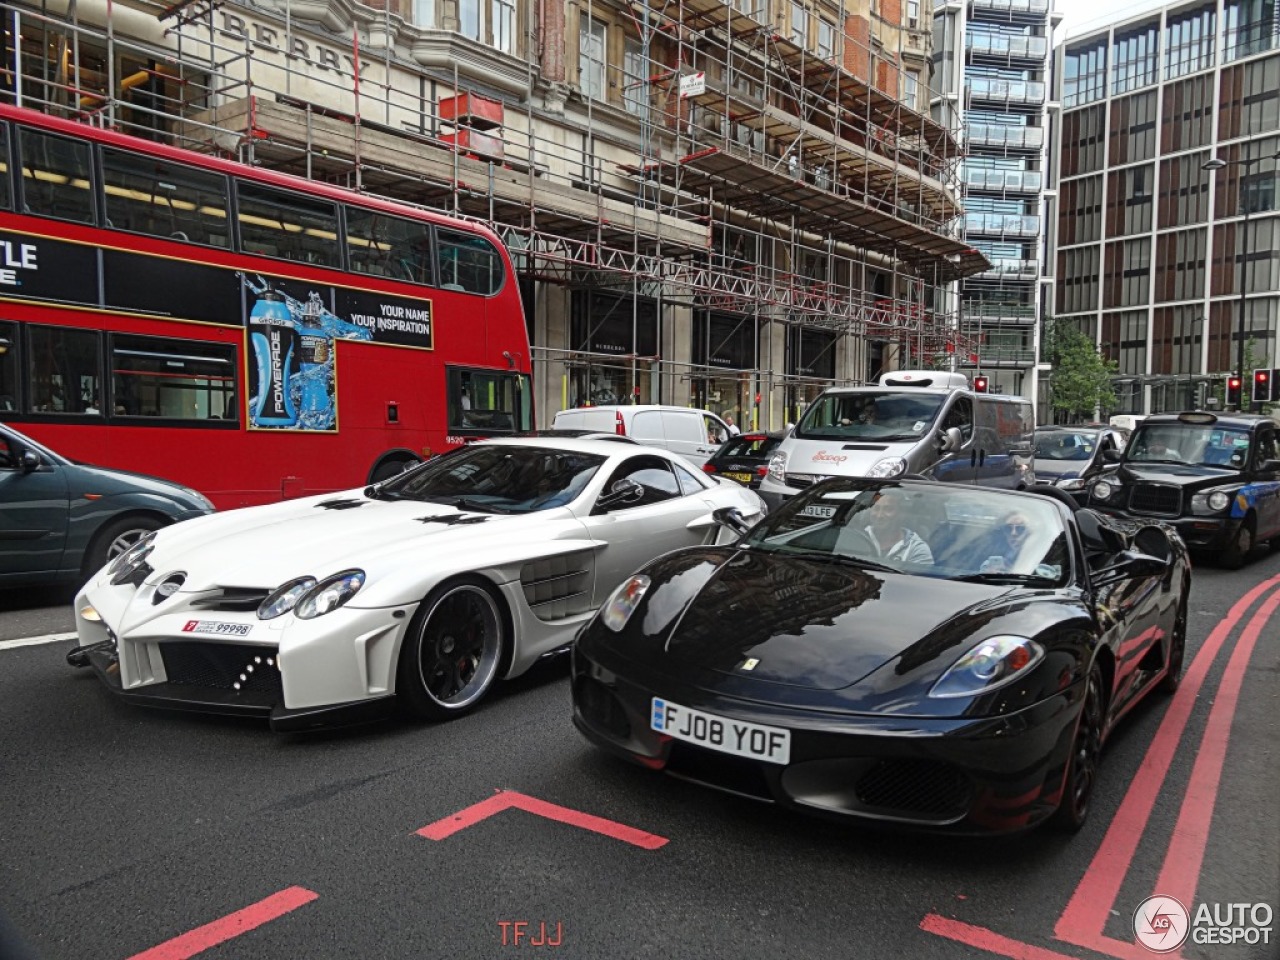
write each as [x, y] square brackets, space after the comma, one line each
[1083, 921]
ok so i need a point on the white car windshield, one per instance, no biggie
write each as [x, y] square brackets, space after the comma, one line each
[870, 415]
[922, 529]
[496, 479]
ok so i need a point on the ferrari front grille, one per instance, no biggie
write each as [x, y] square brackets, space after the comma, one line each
[915, 789]
[1156, 499]
[248, 671]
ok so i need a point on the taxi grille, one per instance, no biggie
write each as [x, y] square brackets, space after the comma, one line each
[219, 666]
[1156, 499]
[915, 788]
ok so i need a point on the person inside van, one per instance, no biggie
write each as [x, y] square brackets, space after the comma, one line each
[887, 529]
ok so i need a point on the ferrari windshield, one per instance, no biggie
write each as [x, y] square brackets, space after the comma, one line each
[1193, 444]
[870, 415]
[496, 479]
[924, 529]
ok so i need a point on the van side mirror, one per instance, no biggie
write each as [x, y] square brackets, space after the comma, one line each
[623, 493]
[29, 461]
[952, 440]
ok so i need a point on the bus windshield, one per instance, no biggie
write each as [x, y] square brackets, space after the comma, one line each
[883, 415]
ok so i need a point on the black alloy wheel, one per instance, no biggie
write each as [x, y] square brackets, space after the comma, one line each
[1086, 752]
[451, 654]
[1177, 648]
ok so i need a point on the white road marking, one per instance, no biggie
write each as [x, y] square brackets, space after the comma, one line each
[33, 641]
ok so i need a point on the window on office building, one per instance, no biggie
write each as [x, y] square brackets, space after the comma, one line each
[1078, 280]
[1127, 273]
[1176, 333]
[1085, 74]
[1133, 128]
[1188, 41]
[1083, 134]
[1184, 190]
[1135, 58]
[1187, 113]
[1180, 265]
[1263, 267]
[1130, 200]
[591, 58]
[1251, 26]
[1249, 99]
[1124, 340]
[1080, 211]
[635, 79]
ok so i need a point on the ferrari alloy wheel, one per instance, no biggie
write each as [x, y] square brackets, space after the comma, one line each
[450, 657]
[1086, 751]
[1177, 649]
[1241, 545]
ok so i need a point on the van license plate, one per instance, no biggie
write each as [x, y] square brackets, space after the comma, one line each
[752, 740]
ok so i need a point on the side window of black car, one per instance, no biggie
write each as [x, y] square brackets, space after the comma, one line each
[1266, 447]
[6, 454]
[653, 474]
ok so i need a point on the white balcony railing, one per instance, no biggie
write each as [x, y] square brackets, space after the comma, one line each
[1014, 181]
[1006, 91]
[1003, 225]
[994, 44]
[997, 135]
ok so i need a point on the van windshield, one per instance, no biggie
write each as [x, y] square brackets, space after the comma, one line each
[883, 415]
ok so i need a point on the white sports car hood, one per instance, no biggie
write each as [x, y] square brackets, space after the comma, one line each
[318, 536]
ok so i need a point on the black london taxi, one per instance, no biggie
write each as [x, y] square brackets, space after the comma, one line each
[1214, 477]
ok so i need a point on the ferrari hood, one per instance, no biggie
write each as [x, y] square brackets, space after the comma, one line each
[318, 536]
[819, 624]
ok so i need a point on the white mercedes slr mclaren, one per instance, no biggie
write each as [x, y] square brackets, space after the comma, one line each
[418, 592]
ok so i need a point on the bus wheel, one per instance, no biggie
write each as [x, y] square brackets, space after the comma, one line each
[115, 537]
[450, 656]
[390, 468]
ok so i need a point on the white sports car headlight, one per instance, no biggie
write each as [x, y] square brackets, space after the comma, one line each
[990, 665]
[123, 567]
[284, 598]
[622, 604]
[329, 594]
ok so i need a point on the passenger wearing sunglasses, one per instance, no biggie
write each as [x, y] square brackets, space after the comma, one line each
[1005, 544]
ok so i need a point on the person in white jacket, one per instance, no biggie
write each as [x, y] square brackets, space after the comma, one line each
[889, 534]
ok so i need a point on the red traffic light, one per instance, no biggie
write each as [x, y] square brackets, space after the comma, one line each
[981, 384]
[1261, 386]
[1233, 391]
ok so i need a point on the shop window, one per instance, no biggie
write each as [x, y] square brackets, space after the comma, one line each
[166, 379]
[164, 199]
[64, 370]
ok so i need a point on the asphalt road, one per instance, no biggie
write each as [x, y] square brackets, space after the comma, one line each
[131, 833]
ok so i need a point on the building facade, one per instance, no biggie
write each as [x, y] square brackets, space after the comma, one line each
[724, 204]
[1168, 240]
[992, 59]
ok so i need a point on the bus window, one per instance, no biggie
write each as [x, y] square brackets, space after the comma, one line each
[63, 369]
[9, 400]
[172, 379]
[163, 199]
[280, 223]
[6, 198]
[56, 176]
[488, 401]
[387, 246]
[468, 263]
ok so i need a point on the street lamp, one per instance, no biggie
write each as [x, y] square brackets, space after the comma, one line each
[1217, 163]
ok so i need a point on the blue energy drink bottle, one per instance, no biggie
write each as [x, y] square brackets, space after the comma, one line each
[274, 336]
[315, 372]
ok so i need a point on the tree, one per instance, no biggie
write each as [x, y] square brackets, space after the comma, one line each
[1080, 383]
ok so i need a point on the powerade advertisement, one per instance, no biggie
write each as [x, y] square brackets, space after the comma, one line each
[292, 324]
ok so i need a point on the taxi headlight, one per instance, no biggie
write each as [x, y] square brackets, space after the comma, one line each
[329, 594]
[1214, 502]
[1219, 500]
[1102, 490]
[284, 598]
[623, 602]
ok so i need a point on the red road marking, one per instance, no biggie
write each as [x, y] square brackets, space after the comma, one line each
[1083, 920]
[992, 942]
[232, 925]
[506, 799]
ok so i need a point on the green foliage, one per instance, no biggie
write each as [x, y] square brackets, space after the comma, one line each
[1080, 382]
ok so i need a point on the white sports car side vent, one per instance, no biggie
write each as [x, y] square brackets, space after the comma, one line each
[558, 587]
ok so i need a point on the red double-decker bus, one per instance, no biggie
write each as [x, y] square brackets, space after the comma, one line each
[253, 335]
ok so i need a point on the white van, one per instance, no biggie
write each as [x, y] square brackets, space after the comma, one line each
[694, 434]
[918, 422]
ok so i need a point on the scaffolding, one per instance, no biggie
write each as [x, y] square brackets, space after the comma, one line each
[738, 170]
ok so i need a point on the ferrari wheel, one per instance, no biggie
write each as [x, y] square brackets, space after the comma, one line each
[1177, 650]
[1086, 751]
[451, 655]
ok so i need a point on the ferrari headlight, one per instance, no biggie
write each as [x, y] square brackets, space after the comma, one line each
[888, 467]
[778, 466]
[1214, 502]
[329, 594]
[623, 602]
[132, 557]
[284, 598]
[990, 665]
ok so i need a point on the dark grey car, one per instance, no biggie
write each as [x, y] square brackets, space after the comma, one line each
[62, 520]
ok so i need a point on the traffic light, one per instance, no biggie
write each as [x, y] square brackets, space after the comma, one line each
[1261, 386]
[1233, 391]
[980, 384]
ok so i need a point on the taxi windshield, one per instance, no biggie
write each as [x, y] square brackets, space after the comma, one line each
[921, 529]
[870, 415]
[1190, 444]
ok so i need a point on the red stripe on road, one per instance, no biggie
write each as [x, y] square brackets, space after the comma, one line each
[507, 799]
[1083, 920]
[1003, 946]
[232, 925]
[1182, 863]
